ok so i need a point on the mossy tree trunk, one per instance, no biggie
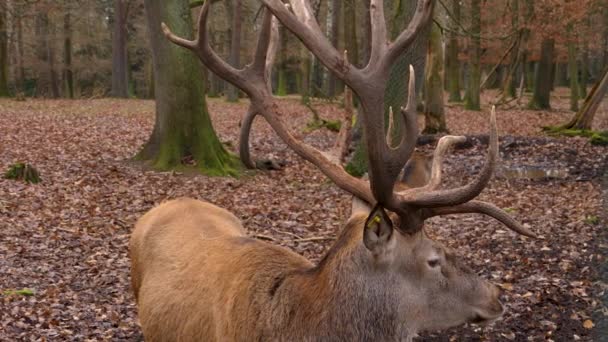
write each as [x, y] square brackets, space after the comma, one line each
[542, 82]
[183, 135]
[452, 62]
[3, 53]
[472, 98]
[434, 116]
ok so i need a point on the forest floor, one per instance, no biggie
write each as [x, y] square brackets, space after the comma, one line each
[66, 238]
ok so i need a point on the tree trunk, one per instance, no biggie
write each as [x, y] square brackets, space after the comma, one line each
[542, 83]
[434, 117]
[183, 134]
[19, 33]
[50, 56]
[3, 53]
[232, 93]
[510, 80]
[573, 71]
[584, 118]
[472, 100]
[561, 75]
[367, 34]
[584, 68]
[282, 83]
[68, 76]
[452, 63]
[120, 76]
[350, 31]
[334, 83]
[305, 63]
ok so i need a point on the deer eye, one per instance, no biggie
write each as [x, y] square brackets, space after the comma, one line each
[433, 262]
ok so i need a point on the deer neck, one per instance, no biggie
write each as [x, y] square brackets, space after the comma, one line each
[343, 296]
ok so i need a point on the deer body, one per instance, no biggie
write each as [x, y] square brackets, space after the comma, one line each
[197, 277]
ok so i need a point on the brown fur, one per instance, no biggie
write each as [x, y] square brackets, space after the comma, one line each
[197, 277]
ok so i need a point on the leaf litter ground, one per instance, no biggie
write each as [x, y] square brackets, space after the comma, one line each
[64, 266]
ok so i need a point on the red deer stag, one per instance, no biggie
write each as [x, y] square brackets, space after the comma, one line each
[198, 277]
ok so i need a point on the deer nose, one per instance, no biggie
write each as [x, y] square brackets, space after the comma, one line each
[495, 306]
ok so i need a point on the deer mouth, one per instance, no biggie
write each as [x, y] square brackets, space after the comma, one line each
[485, 317]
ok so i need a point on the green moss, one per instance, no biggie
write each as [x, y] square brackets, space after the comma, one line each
[22, 292]
[510, 210]
[358, 164]
[596, 138]
[592, 219]
[24, 172]
[332, 125]
[600, 138]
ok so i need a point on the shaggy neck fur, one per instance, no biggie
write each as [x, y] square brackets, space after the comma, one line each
[345, 297]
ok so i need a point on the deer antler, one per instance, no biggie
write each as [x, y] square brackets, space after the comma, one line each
[251, 79]
[386, 161]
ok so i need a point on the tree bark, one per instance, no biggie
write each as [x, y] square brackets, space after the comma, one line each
[68, 76]
[434, 116]
[472, 100]
[542, 83]
[510, 79]
[232, 93]
[282, 69]
[19, 33]
[573, 71]
[4, 91]
[120, 76]
[334, 82]
[350, 31]
[50, 55]
[183, 135]
[452, 63]
[3, 53]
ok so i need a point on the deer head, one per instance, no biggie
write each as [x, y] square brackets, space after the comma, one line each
[384, 240]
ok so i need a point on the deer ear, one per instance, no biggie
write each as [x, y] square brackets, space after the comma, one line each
[378, 230]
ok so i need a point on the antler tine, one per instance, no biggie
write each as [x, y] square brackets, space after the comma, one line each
[272, 50]
[378, 33]
[304, 25]
[410, 117]
[442, 146]
[424, 13]
[267, 44]
[399, 155]
[482, 208]
[451, 197]
[204, 51]
[340, 148]
[390, 141]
